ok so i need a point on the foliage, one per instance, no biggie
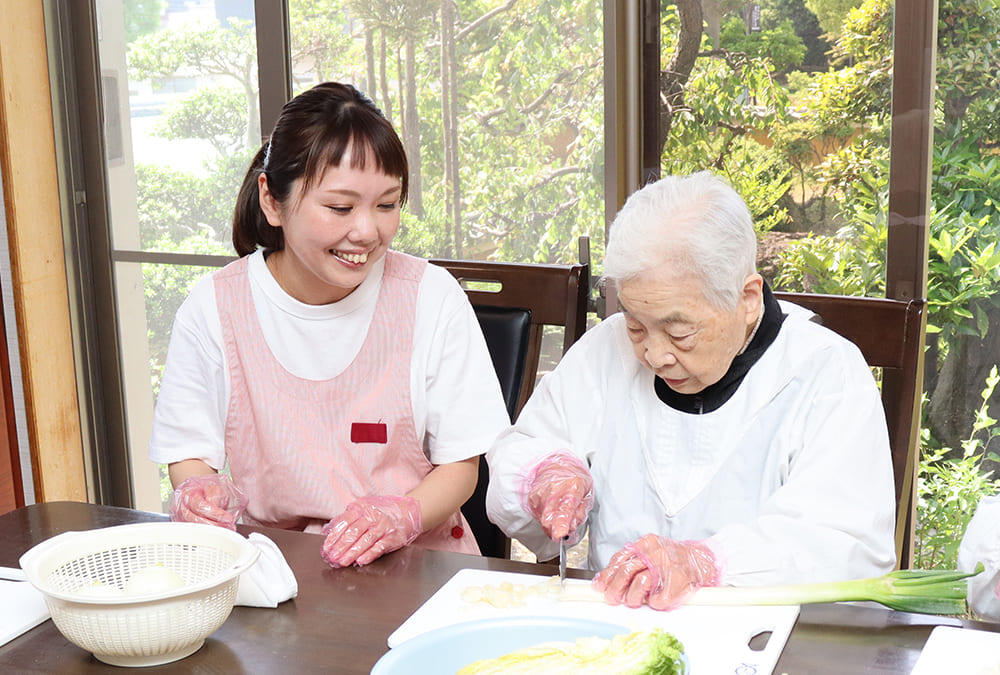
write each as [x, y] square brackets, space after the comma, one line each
[424, 237]
[831, 264]
[964, 264]
[141, 17]
[320, 36]
[805, 25]
[831, 13]
[215, 114]
[732, 104]
[174, 205]
[207, 50]
[969, 55]
[949, 490]
[166, 287]
[780, 45]
[221, 53]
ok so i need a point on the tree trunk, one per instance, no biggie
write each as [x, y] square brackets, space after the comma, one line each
[370, 64]
[411, 131]
[956, 396]
[449, 119]
[382, 78]
[254, 132]
[674, 79]
[713, 11]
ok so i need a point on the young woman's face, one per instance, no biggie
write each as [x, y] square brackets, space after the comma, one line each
[335, 232]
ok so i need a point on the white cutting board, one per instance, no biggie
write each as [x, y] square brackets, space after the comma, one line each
[23, 609]
[715, 638]
[959, 651]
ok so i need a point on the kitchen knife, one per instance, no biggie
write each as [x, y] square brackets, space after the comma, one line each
[562, 561]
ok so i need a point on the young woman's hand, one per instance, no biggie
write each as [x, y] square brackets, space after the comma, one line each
[212, 499]
[657, 571]
[559, 494]
[369, 528]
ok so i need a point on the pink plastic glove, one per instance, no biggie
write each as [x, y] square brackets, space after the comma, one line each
[212, 499]
[369, 528]
[657, 571]
[559, 494]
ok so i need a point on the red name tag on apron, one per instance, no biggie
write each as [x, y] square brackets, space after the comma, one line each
[367, 432]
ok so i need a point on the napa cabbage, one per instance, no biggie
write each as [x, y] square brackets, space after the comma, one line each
[653, 652]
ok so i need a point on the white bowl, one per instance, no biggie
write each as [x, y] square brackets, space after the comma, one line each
[84, 577]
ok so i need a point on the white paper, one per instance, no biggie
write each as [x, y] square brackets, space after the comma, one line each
[959, 651]
[24, 608]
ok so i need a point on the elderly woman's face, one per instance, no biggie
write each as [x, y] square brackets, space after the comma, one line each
[677, 334]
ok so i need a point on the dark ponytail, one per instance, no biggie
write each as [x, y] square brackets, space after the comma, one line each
[312, 133]
[250, 226]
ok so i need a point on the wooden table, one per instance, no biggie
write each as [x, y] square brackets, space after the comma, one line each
[341, 619]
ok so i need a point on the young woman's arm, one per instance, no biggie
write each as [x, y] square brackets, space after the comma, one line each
[445, 489]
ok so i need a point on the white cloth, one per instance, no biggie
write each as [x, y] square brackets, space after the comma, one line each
[789, 481]
[269, 581]
[458, 408]
[981, 544]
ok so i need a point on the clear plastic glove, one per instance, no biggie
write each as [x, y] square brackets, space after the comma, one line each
[657, 571]
[369, 528]
[559, 493]
[212, 499]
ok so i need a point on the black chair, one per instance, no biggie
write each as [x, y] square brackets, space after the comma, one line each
[890, 335]
[513, 303]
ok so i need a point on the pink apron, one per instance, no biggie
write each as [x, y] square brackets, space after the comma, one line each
[301, 449]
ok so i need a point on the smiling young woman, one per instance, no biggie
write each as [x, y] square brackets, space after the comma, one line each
[346, 387]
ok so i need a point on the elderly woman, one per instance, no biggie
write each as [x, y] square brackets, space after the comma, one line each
[707, 433]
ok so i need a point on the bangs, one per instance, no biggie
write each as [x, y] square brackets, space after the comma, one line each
[371, 139]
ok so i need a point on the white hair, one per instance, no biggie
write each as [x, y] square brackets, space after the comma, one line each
[697, 223]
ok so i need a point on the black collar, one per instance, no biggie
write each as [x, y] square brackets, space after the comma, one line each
[714, 396]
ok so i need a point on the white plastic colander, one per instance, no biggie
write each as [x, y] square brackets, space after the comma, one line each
[139, 626]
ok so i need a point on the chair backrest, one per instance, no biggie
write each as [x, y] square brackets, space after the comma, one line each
[513, 303]
[890, 335]
[553, 295]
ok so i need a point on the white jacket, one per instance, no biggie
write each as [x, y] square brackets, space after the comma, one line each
[789, 481]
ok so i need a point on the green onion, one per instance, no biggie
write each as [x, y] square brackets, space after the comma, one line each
[923, 591]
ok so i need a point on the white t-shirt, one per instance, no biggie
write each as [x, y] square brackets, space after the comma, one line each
[789, 481]
[458, 408]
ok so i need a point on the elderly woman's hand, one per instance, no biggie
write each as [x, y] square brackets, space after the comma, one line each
[657, 571]
[559, 494]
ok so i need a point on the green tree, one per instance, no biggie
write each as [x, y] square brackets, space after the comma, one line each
[721, 106]
[779, 44]
[141, 17]
[166, 287]
[226, 53]
[320, 36]
[805, 24]
[831, 13]
[964, 315]
[215, 114]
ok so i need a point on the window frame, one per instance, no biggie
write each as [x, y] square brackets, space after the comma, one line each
[631, 97]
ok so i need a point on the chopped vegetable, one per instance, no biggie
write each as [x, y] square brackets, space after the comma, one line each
[923, 591]
[654, 652]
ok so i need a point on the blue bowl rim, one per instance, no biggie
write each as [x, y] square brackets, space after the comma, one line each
[456, 631]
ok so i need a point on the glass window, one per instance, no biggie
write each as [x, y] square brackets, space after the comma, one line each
[499, 106]
[791, 101]
[180, 111]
